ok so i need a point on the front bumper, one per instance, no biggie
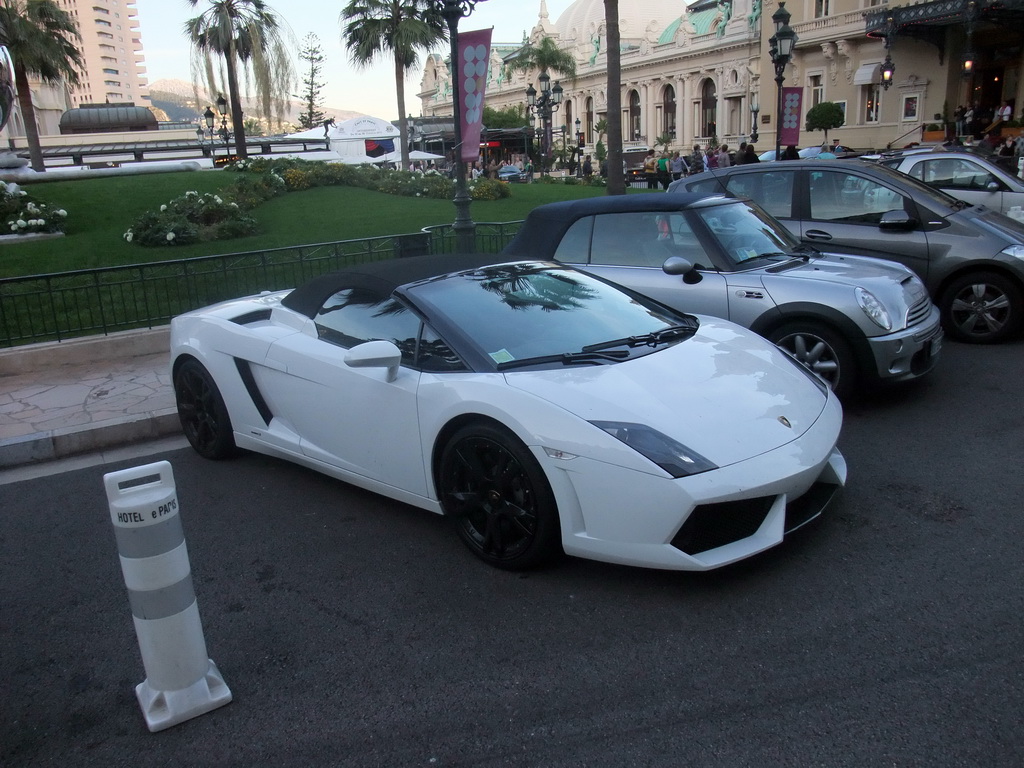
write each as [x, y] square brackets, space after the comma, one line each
[910, 353]
[701, 522]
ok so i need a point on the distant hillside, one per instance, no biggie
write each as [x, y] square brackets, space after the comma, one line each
[177, 99]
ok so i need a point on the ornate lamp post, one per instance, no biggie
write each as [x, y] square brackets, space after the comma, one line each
[544, 104]
[208, 119]
[754, 109]
[465, 230]
[579, 148]
[225, 134]
[781, 51]
[887, 66]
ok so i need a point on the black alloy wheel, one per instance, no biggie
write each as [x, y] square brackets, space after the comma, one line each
[822, 350]
[981, 308]
[496, 492]
[204, 417]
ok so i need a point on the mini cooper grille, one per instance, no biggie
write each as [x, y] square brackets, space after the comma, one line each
[919, 312]
[715, 525]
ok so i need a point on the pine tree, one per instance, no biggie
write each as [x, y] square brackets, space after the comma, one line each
[313, 56]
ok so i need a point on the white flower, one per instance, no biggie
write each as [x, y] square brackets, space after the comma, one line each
[129, 235]
[170, 236]
[14, 227]
[163, 207]
[22, 223]
[41, 222]
[61, 212]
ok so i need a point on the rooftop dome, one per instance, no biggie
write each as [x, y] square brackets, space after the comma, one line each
[584, 17]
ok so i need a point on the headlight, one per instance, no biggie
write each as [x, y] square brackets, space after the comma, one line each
[675, 458]
[873, 308]
[1016, 251]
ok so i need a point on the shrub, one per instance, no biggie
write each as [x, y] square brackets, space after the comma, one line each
[191, 218]
[488, 189]
[23, 215]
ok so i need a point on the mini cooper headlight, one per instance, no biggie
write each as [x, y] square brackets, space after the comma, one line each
[873, 308]
[675, 458]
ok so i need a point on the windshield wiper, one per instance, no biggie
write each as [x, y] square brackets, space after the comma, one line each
[566, 358]
[652, 339]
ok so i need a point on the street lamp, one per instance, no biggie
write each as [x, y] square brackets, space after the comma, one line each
[465, 230]
[544, 104]
[225, 134]
[579, 148]
[781, 51]
[754, 109]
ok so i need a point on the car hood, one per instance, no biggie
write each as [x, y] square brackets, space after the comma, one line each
[999, 224]
[843, 268]
[725, 393]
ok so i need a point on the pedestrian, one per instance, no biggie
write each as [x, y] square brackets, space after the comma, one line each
[741, 153]
[664, 176]
[588, 167]
[651, 170]
[677, 166]
[698, 161]
[750, 155]
[790, 153]
[969, 120]
[958, 119]
[724, 160]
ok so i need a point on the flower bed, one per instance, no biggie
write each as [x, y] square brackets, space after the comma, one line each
[24, 216]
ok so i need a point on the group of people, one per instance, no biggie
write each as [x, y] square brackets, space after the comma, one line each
[978, 121]
[661, 170]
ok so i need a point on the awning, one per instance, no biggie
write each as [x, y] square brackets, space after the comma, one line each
[867, 74]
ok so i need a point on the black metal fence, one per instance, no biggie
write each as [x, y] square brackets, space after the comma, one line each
[89, 302]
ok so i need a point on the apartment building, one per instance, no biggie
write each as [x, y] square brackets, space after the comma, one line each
[114, 65]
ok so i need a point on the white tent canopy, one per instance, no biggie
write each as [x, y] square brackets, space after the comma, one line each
[349, 138]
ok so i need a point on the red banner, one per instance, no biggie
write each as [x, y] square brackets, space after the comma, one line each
[789, 124]
[474, 57]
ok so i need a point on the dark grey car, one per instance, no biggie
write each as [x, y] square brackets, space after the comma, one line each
[970, 257]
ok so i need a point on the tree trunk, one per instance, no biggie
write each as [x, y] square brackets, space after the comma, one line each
[616, 174]
[28, 116]
[237, 118]
[402, 128]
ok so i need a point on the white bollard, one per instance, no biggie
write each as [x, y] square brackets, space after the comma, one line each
[181, 682]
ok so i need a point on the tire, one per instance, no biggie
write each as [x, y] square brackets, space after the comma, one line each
[822, 350]
[981, 308]
[497, 494]
[201, 410]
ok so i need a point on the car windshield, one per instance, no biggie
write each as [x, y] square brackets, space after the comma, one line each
[935, 195]
[747, 234]
[520, 312]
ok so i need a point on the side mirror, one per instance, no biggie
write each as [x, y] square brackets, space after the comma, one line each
[897, 220]
[677, 265]
[992, 186]
[375, 354]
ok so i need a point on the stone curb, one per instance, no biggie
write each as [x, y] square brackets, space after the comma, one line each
[43, 357]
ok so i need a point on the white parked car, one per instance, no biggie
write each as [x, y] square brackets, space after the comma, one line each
[542, 409]
[964, 176]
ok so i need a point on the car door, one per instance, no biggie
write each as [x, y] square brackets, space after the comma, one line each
[840, 211]
[966, 179]
[630, 249]
[352, 418]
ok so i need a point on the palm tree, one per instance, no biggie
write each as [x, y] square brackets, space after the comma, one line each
[546, 57]
[246, 33]
[401, 28]
[616, 177]
[42, 40]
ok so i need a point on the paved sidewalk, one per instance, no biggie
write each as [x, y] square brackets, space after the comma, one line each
[67, 398]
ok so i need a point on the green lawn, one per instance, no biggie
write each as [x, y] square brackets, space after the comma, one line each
[101, 210]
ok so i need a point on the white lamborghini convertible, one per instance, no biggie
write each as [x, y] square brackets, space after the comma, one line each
[542, 409]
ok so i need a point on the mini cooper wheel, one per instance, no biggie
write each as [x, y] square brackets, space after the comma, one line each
[822, 350]
[982, 308]
[204, 417]
[496, 492]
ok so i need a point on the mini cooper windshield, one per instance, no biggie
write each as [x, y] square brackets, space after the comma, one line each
[530, 313]
[747, 235]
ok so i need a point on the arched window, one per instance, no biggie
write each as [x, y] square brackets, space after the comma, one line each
[708, 108]
[668, 111]
[589, 121]
[634, 116]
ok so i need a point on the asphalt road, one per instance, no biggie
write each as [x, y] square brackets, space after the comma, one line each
[355, 631]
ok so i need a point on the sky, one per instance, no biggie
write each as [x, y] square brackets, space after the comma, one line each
[370, 90]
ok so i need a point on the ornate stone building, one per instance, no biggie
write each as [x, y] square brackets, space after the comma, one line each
[694, 72]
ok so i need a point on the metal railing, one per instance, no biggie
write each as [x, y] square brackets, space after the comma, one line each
[65, 305]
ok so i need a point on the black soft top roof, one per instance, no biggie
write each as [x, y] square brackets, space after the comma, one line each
[382, 277]
[545, 224]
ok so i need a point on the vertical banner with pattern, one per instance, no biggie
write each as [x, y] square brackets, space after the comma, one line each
[474, 57]
[789, 124]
